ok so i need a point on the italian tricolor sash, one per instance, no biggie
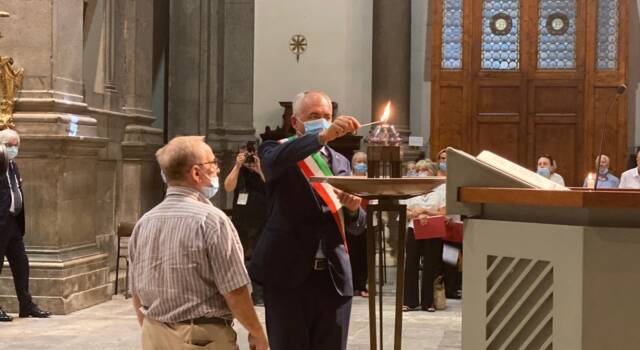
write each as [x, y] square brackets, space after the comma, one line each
[315, 165]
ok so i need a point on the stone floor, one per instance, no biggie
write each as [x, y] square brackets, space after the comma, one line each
[112, 325]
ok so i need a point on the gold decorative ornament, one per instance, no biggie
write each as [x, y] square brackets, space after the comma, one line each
[298, 45]
[10, 82]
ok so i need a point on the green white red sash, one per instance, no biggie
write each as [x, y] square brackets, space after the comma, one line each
[315, 165]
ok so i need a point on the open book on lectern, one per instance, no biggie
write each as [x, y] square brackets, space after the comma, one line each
[487, 170]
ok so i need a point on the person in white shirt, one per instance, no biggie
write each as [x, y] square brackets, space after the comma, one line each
[631, 177]
[418, 293]
[546, 168]
[605, 178]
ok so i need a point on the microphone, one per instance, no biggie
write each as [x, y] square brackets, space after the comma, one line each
[620, 90]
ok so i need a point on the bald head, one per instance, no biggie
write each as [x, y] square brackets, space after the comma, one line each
[178, 156]
[310, 105]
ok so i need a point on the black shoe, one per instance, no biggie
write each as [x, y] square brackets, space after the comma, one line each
[35, 311]
[4, 317]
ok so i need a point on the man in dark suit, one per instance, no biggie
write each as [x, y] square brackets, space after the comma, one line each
[12, 229]
[302, 259]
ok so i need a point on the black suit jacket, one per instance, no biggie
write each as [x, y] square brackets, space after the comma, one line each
[5, 201]
[298, 219]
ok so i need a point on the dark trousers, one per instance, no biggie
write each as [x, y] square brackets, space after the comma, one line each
[256, 289]
[358, 259]
[12, 246]
[430, 250]
[312, 316]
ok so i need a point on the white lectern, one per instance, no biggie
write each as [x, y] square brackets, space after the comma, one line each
[545, 269]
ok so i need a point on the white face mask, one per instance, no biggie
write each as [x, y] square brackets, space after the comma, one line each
[211, 190]
[316, 126]
[12, 152]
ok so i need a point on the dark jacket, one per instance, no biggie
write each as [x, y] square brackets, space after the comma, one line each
[5, 200]
[298, 219]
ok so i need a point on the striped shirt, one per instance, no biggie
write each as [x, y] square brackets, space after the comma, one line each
[184, 255]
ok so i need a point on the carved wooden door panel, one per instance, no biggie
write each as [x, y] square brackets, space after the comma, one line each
[526, 78]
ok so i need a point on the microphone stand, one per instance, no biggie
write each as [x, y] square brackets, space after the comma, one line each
[620, 90]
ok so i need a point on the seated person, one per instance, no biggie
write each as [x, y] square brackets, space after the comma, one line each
[605, 178]
[426, 167]
[631, 177]
[411, 169]
[359, 164]
[547, 168]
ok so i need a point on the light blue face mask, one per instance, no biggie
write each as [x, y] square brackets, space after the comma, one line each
[544, 172]
[412, 173]
[316, 126]
[211, 190]
[12, 152]
[360, 168]
[442, 166]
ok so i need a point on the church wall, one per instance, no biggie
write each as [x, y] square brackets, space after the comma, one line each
[337, 59]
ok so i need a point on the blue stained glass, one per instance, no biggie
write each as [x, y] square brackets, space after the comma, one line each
[500, 52]
[608, 21]
[452, 19]
[557, 51]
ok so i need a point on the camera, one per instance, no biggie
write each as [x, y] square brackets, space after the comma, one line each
[250, 151]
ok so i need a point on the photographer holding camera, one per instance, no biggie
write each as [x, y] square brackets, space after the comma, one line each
[247, 183]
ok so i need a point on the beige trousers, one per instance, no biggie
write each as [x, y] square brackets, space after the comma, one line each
[177, 336]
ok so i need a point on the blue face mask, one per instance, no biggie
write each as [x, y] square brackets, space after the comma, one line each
[360, 168]
[316, 126]
[442, 166]
[544, 172]
[412, 173]
[211, 190]
[12, 152]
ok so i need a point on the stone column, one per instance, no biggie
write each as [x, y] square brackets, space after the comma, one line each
[391, 62]
[110, 101]
[58, 157]
[211, 76]
[141, 185]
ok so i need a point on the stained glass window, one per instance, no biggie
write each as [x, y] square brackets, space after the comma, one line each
[452, 17]
[608, 21]
[501, 27]
[557, 34]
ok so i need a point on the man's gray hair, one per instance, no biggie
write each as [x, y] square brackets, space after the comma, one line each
[598, 158]
[7, 135]
[298, 101]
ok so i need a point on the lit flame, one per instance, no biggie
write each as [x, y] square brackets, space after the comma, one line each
[387, 111]
[591, 180]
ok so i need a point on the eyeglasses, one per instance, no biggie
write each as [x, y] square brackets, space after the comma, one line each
[215, 162]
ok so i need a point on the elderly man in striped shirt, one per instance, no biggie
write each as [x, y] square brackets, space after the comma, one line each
[188, 277]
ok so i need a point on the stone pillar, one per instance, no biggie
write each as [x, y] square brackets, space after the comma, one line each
[391, 62]
[211, 76]
[110, 101]
[141, 185]
[58, 157]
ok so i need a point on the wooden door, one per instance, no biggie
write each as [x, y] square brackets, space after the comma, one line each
[546, 96]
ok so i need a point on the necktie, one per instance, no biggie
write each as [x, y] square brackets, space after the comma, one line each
[15, 190]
